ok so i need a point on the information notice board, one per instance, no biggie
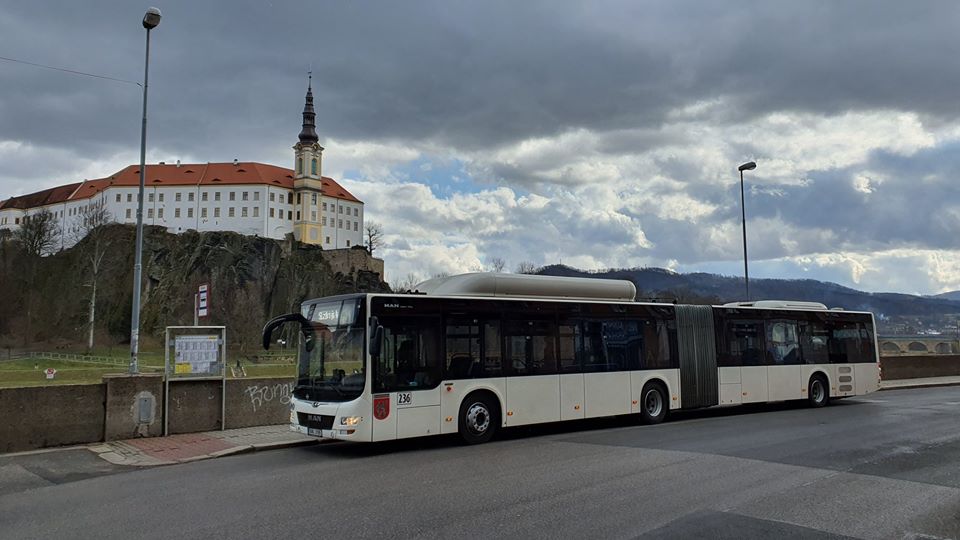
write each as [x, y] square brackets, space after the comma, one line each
[197, 354]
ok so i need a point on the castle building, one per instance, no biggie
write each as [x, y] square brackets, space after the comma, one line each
[244, 197]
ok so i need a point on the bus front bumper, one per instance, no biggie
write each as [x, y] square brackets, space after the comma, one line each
[349, 421]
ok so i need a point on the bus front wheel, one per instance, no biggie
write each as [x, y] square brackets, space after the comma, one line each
[818, 394]
[479, 418]
[653, 403]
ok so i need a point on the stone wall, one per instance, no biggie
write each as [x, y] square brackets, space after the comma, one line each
[912, 367]
[350, 261]
[43, 416]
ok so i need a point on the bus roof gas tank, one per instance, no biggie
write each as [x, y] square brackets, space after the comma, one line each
[779, 304]
[528, 286]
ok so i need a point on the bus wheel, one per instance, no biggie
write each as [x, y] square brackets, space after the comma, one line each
[818, 394]
[653, 403]
[479, 418]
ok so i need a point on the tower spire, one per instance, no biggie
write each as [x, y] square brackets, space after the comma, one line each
[308, 135]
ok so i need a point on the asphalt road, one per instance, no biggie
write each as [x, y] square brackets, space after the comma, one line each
[883, 466]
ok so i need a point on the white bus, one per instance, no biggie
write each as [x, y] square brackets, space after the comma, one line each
[474, 353]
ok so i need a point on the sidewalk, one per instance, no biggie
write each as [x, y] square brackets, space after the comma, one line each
[152, 451]
[919, 382]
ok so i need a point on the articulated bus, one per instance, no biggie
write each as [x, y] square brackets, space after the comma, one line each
[474, 353]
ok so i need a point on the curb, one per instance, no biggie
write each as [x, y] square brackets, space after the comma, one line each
[919, 385]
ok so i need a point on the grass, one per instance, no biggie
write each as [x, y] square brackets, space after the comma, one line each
[31, 371]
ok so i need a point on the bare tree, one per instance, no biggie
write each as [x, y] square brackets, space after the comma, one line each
[407, 284]
[38, 233]
[89, 227]
[497, 264]
[527, 267]
[374, 236]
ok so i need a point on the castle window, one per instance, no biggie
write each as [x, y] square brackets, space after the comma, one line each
[243, 212]
[149, 213]
[176, 212]
[348, 243]
[230, 212]
[160, 213]
[118, 197]
[216, 212]
[340, 223]
[328, 240]
[324, 206]
[313, 215]
[161, 197]
[203, 212]
[299, 199]
[273, 197]
[128, 215]
[356, 212]
[256, 211]
[129, 197]
[354, 226]
[298, 215]
[289, 215]
[324, 220]
[190, 212]
[313, 167]
[299, 165]
[246, 195]
[271, 212]
[233, 196]
[150, 197]
[289, 198]
[256, 195]
[216, 195]
[190, 197]
[177, 198]
[204, 196]
[313, 199]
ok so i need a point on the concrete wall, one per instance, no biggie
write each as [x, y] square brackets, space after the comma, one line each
[134, 406]
[258, 402]
[912, 367]
[193, 406]
[43, 416]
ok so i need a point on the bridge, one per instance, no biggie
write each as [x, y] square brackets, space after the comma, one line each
[924, 344]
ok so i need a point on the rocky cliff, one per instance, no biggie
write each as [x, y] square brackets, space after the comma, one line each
[46, 300]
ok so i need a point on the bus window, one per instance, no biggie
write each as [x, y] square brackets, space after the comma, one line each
[656, 351]
[410, 356]
[844, 344]
[814, 338]
[492, 365]
[463, 349]
[867, 352]
[531, 347]
[783, 345]
[744, 344]
[569, 336]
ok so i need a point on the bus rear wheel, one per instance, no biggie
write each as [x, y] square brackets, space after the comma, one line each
[653, 403]
[479, 418]
[818, 393]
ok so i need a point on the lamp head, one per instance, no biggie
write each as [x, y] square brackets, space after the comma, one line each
[748, 166]
[151, 19]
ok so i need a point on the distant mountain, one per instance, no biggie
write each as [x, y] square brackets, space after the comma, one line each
[952, 295]
[658, 283]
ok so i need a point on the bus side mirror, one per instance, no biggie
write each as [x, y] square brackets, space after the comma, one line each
[305, 328]
[376, 337]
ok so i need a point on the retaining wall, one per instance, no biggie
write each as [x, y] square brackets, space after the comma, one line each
[42, 416]
[913, 367]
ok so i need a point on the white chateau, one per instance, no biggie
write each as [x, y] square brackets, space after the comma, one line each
[244, 197]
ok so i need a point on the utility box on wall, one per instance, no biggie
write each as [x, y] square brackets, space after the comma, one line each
[131, 406]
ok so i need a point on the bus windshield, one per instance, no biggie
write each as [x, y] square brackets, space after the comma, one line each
[333, 369]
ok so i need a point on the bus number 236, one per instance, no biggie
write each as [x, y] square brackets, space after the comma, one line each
[405, 398]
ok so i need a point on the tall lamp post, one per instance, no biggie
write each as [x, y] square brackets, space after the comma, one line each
[150, 21]
[748, 166]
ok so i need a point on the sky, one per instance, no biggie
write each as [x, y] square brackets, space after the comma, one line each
[601, 134]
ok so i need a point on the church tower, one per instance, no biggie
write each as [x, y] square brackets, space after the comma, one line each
[307, 179]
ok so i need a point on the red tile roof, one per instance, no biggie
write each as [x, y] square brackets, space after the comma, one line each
[205, 174]
[41, 198]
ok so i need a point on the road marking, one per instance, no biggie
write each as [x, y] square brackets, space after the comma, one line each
[873, 400]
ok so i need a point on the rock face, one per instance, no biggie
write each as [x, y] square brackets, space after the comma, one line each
[250, 279]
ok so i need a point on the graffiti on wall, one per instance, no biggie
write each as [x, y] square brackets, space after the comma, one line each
[263, 395]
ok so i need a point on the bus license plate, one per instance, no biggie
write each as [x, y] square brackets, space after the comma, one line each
[314, 432]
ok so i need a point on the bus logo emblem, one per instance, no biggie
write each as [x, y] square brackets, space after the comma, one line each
[381, 407]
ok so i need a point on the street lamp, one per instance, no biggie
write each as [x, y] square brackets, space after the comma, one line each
[150, 21]
[748, 166]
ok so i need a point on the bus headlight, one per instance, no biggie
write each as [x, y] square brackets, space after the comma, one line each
[350, 420]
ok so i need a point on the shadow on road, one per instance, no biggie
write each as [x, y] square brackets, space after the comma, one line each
[352, 450]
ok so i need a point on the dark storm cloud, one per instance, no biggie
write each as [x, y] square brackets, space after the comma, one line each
[464, 75]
